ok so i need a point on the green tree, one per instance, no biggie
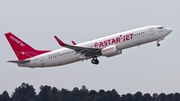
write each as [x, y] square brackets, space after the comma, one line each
[5, 96]
[101, 92]
[44, 94]
[162, 97]
[25, 91]
[129, 97]
[176, 97]
[64, 95]
[113, 95]
[92, 93]
[83, 92]
[148, 96]
[137, 96]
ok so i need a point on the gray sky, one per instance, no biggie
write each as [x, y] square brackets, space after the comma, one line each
[147, 68]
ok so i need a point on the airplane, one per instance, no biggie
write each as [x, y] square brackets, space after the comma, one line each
[106, 46]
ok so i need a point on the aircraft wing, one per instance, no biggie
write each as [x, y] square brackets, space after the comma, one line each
[83, 50]
[19, 61]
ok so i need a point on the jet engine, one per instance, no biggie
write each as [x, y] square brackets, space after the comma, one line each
[110, 51]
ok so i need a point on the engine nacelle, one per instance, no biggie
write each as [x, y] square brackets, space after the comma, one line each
[110, 51]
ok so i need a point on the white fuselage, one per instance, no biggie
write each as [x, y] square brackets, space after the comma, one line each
[122, 40]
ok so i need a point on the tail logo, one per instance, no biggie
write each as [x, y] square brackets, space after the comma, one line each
[22, 49]
[17, 41]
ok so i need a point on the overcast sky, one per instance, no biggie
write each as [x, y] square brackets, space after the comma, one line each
[148, 68]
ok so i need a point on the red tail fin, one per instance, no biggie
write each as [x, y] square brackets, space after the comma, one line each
[21, 49]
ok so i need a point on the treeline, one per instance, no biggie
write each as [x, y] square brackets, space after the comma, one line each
[26, 92]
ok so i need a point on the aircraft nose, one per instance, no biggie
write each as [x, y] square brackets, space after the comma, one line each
[168, 30]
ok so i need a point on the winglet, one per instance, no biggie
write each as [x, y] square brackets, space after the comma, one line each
[74, 43]
[59, 41]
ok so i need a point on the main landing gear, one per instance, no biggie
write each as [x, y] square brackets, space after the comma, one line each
[95, 60]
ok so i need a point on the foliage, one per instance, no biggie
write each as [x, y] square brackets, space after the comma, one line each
[26, 92]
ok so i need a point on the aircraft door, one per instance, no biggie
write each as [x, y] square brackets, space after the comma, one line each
[42, 61]
[151, 35]
[151, 30]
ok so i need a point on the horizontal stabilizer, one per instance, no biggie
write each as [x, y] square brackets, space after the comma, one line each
[19, 61]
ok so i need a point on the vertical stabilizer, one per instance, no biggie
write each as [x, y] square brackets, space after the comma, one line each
[21, 49]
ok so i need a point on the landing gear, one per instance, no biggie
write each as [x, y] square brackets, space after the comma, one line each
[158, 44]
[95, 60]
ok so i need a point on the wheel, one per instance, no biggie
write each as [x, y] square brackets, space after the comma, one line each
[93, 61]
[158, 44]
[96, 62]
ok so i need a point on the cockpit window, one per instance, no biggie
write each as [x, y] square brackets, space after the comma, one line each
[160, 27]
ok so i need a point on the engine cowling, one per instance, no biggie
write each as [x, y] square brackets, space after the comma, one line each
[110, 51]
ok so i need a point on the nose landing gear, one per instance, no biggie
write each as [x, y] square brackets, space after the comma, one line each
[158, 44]
[95, 60]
